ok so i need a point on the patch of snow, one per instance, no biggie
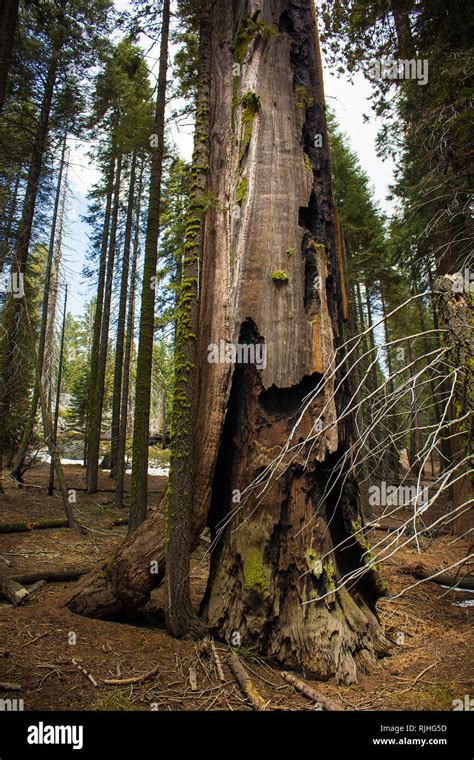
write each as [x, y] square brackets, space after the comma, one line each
[465, 603]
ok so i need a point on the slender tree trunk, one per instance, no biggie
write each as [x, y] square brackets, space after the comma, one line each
[93, 405]
[456, 314]
[370, 323]
[400, 10]
[119, 491]
[45, 315]
[48, 434]
[13, 308]
[58, 398]
[8, 21]
[437, 414]
[415, 443]
[7, 233]
[49, 342]
[119, 345]
[138, 497]
[393, 455]
[361, 468]
[180, 616]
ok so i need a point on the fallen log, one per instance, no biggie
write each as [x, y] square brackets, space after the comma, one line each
[125, 581]
[308, 692]
[24, 527]
[442, 579]
[50, 576]
[13, 592]
[243, 679]
[45, 524]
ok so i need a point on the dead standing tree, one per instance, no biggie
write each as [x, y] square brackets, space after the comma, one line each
[271, 275]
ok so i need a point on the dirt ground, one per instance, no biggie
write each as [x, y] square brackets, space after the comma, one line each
[430, 669]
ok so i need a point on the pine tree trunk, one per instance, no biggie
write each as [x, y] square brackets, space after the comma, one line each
[49, 436]
[55, 421]
[98, 365]
[138, 496]
[7, 230]
[13, 308]
[95, 348]
[119, 345]
[119, 489]
[179, 613]
[280, 551]
[8, 21]
[45, 314]
[456, 313]
[393, 449]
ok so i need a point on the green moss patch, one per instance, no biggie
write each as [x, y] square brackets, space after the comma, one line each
[280, 277]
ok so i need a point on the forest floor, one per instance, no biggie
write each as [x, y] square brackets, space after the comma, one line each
[426, 672]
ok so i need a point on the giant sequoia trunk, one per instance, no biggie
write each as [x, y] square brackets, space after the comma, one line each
[271, 275]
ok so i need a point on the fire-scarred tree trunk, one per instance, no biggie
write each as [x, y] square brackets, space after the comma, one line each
[273, 275]
[271, 278]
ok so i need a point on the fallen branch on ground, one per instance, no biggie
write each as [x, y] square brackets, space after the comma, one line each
[308, 691]
[132, 679]
[85, 673]
[217, 661]
[10, 686]
[245, 683]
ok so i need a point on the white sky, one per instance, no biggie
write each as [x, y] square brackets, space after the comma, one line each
[349, 101]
